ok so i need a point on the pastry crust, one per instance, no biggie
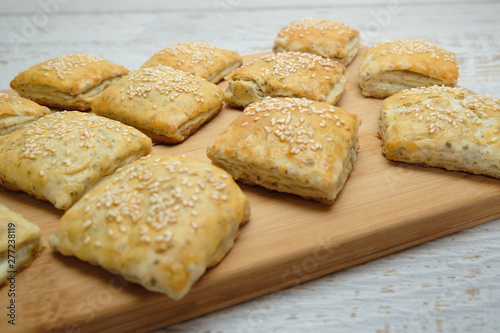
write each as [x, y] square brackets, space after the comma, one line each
[165, 103]
[327, 38]
[68, 81]
[202, 60]
[27, 245]
[390, 67]
[159, 221]
[290, 145]
[287, 74]
[62, 155]
[16, 112]
[444, 127]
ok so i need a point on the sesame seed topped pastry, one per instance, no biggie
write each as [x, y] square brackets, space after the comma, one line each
[16, 112]
[165, 103]
[290, 145]
[287, 74]
[390, 67]
[202, 60]
[25, 247]
[67, 81]
[444, 127]
[60, 156]
[160, 221]
[327, 38]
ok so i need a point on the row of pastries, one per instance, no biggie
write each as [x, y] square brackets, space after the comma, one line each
[162, 220]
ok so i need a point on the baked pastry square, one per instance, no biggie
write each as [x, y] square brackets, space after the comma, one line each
[165, 103]
[160, 221]
[287, 74]
[60, 156]
[327, 38]
[67, 81]
[290, 145]
[15, 255]
[200, 59]
[444, 127]
[390, 67]
[16, 112]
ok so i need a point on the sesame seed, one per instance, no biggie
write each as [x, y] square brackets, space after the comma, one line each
[145, 239]
[286, 64]
[86, 224]
[289, 121]
[165, 80]
[65, 65]
[323, 26]
[40, 135]
[412, 47]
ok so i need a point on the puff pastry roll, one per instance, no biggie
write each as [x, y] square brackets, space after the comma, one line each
[390, 67]
[60, 156]
[444, 127]
[165, 103]
[67, 81]
[27, 245]
[160, 221]
[287, 74]
[16, 112]
[290, 145]
[327, 38]
[202, 60]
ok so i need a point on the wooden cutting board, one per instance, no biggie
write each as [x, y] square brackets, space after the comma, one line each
[384, 207]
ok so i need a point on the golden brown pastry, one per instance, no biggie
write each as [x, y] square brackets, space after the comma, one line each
[16, 112]
[159, 221]
[20, 243]
[202, 60]
[444, 127]
[287, 74]
[67, 81]
[290, 145]
[327, 38]
[165, 103]
[60, 156]
[390, 67]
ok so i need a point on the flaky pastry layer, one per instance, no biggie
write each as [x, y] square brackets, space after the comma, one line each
[444, 127]
[290, 145]
[160, 221]
[390, 67]
[327, 38]
[287, 74]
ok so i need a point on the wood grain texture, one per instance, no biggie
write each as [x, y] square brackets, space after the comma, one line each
[384, 207]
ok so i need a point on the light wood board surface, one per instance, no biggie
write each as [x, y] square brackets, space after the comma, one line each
[384, 207]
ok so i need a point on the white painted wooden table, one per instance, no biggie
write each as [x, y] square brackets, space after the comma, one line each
[447, 285]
